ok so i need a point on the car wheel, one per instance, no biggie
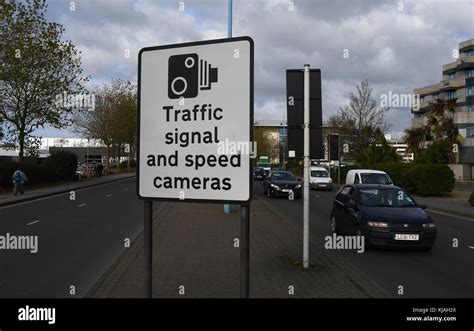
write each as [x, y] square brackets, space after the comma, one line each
[334, 228]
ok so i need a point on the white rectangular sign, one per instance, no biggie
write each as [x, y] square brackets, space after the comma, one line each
[195, 109]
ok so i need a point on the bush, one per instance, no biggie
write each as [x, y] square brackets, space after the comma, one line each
[422, 179]
[62, 165]
[471, 199]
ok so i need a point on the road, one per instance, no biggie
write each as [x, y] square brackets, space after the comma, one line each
[78, 240]
[445, 271]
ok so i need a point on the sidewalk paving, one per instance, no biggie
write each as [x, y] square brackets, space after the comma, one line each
[9, 198]
[193, 246]
[448, 205]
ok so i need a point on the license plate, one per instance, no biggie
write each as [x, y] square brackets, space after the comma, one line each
[322, 185]
[286, 190]
[399, 236]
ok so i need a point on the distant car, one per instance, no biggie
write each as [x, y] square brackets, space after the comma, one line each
[258, 173]
[384, 214]
[320, 179]
[81, 172]
[368, 176]
[281, 183]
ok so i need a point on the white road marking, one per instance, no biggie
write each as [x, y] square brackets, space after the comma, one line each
[471, 247]
[109, 195]
[317, 196]
[31, 223]
[82, 205]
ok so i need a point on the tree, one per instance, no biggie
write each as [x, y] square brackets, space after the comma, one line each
[113, 121]
[360, 120]
[125, 124]
[36, 66]
[438, 152]
[440, 120]
[379, 153]
[415, 139]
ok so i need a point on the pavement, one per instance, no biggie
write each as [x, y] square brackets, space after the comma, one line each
[455, 203]
[9, 198]
[193, 246]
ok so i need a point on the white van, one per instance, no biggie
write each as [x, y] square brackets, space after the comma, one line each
[319, 178]
[368, 176]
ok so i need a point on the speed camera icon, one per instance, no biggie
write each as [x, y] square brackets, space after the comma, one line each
[187, 74]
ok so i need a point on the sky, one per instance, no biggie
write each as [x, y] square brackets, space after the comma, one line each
[396, 45]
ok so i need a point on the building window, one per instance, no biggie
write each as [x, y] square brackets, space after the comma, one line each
[451, 76]
[435, 97]
[422, 98]
[470, 132]
[469, 73]
[469, 91]
[469, 109]
[451, 94]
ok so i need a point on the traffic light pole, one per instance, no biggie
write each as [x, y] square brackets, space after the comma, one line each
[306, 169]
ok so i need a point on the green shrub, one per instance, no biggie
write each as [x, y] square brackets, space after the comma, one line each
[422, 179]
[62, 165]
[471, 199]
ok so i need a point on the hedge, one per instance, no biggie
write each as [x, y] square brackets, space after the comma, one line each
[471, 199]
[62, 163]
[421, 179]
[58, 166]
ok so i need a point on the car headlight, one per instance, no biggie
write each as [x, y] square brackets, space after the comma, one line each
[377, 224]
[274, 186]
[428, 225]
[330, 180]
[297, 185]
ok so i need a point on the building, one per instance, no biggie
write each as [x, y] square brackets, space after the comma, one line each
[87, 150]
[396, 141]
[278, 130]
[457, 83]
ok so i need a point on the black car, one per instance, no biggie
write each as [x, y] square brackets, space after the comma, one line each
[258, 173]
[384, 214]
[281, 183]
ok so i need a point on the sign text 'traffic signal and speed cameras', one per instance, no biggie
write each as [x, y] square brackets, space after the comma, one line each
[196, 121]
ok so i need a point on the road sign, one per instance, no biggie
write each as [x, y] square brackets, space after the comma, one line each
[333, 147]
[195, 121]
[295, 112]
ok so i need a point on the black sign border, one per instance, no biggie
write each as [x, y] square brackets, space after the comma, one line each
[197, 43]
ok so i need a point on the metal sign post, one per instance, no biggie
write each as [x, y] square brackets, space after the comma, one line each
[195, 107]
[148, 248]
[306, 169]
[244, 250]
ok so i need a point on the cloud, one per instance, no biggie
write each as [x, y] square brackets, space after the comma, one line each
[396, 50]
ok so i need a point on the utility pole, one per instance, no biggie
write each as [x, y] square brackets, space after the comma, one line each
[306, 169]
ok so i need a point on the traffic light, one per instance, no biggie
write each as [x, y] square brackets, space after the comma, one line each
[333, 147]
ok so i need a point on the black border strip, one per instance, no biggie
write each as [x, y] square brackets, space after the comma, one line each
[251, 94]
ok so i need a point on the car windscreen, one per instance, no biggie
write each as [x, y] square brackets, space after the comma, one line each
[384, 197]
[319, 173]
[283, 176]
[368, 178]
